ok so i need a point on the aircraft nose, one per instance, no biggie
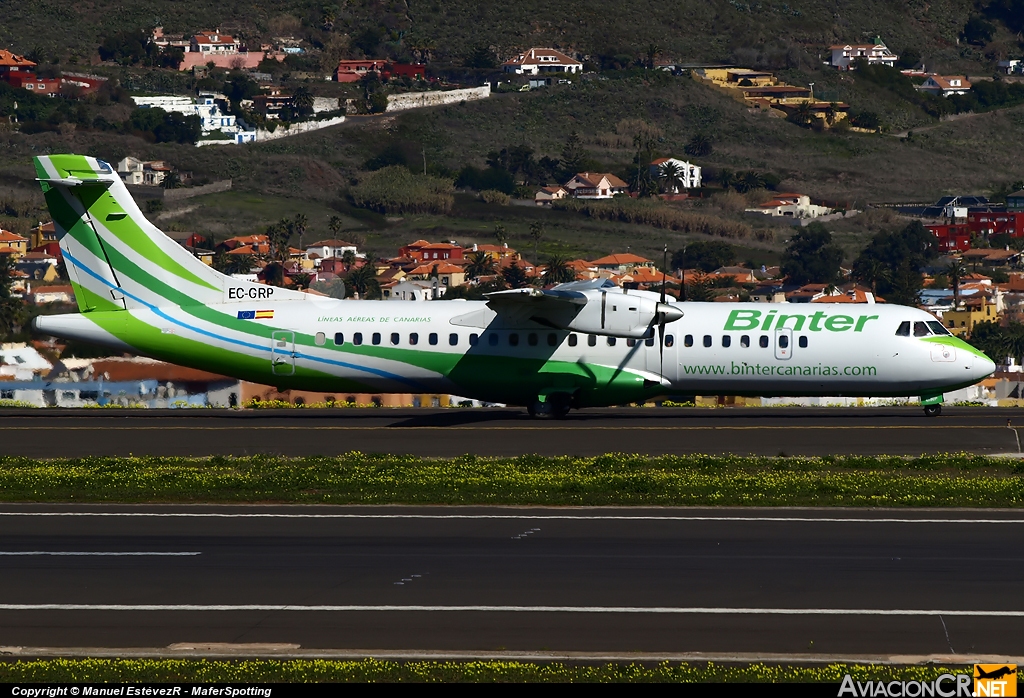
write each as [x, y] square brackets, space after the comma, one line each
[984, 366]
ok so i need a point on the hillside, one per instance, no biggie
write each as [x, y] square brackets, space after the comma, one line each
[778, 34]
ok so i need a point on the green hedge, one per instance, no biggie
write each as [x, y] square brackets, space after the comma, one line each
[614, 479]
[370, 670]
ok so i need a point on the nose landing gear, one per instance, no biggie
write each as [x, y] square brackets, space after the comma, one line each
[932, 410]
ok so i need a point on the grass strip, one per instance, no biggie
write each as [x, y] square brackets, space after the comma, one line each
[954, 480]
[372, 670]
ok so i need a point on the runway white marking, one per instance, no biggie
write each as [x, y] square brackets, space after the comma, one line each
[512, 517]
[76, 554]
[664, 610]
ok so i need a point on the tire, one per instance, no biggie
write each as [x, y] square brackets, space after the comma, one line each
[540, 410]
[932, 410]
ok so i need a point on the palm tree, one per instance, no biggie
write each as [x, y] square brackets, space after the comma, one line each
[559, 271]
[699, 146]
[653, 51]
[871, 271]
[302, 100]
[727, 179]
[335, 224]
[536, 233]
[956, 271]
[804, 114]
[671, 178]
[749, 181]
[363, 281]
[481, 264]
[299, 224]
[831, 112]
[500, 234]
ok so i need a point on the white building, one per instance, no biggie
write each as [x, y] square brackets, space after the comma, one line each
[946, 85]
[1014, 65]
[542, 60]
[791, 206]
[150, 173]
[214, 43]
[413, 290]
[689, 174]
[326, 249]
[211, 117]
[845, 55]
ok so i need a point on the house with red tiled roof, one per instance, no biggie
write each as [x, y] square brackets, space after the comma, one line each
[18, 71]
[12, 244]
[545, 195]
[495, 252]
[423, 251]
[214, 43]
[449, 274]
[621, 263]
[326, 249]
[596, 185]
[946, 85]
[844, 56]
[542, 60]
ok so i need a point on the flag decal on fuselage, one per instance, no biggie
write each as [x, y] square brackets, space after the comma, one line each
[255, 314]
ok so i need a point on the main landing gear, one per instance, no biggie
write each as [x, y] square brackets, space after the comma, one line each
[932, 410]
[556, 406]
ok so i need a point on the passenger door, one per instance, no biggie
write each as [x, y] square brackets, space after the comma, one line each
[282, 353]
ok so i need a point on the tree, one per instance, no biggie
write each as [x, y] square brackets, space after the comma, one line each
[298, 226]
[302, 280]
[536, 233]
[574, 156]
[901, 255]
[803, 115]
[302, 100]
[481, 58]
[500, 234]
[558, 271]
[706, 255]
[670, 178]
[872, 272]
[726, 179]
[363, 280]
[643, 183]
[700, 289]
[172, 181]
[11, 308]
[749, 181]
[812, 257]
[514, 276]
[335, 224]
[480, 264]
[699, 146]
[956, 270]
[653, 51]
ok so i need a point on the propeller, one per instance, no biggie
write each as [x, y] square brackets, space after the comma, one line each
[665, 313]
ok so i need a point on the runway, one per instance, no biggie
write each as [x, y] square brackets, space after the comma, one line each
[506, 432]
[477, 579]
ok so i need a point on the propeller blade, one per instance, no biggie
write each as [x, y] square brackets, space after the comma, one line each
[664, 266]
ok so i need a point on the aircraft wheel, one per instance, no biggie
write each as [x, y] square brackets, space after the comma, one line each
[932, 410]
[540, 410]
[561, 403]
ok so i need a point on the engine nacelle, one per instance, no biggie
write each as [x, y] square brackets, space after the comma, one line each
[616, 315]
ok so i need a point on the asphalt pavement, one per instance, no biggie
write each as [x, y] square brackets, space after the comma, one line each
[613, 580]
[507, 432]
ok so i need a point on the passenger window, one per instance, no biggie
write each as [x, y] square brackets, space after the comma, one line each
[921, 329]
[726, 340]
[552, 339]
[572, 340]
[592, 340]
[707, 340]
[513, 339]
[432, 338]
[453, 339]
[783, 341]
[375, 338]
[395, 338]
[474, 339]
[650, 338]
[937, 327]
[320, 339]
[904, 329]
[630, 342]
[669, 340]
[763, 342]
[803, 342]
[339, 338]
[688, 340]
[745, 341]
[611, 341]
[357, 338]
[531, 339]
[492, 339]
[414, 338]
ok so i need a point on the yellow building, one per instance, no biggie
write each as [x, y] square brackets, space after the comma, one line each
[961, 322]
[13, 245]
[42, 234]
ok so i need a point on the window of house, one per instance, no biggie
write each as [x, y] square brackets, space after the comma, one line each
[320, 339]
[339, 338]
[904, 329]
[573, 340]
[375, 338]
[357, 338]
[414, 338]
[707, 340]
[432, 338]
[763, 341]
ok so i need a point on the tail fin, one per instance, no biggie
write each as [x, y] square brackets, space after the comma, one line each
[115, 257]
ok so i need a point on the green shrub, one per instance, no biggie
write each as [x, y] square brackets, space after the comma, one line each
[492, 196]
[397, 190]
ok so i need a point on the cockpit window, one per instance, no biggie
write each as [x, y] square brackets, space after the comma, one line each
[904, 329]
[921, 329]
[937, 327]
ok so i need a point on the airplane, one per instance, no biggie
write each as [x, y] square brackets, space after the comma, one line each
[576, 345]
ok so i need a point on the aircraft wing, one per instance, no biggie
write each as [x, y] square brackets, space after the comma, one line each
[555, 307]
